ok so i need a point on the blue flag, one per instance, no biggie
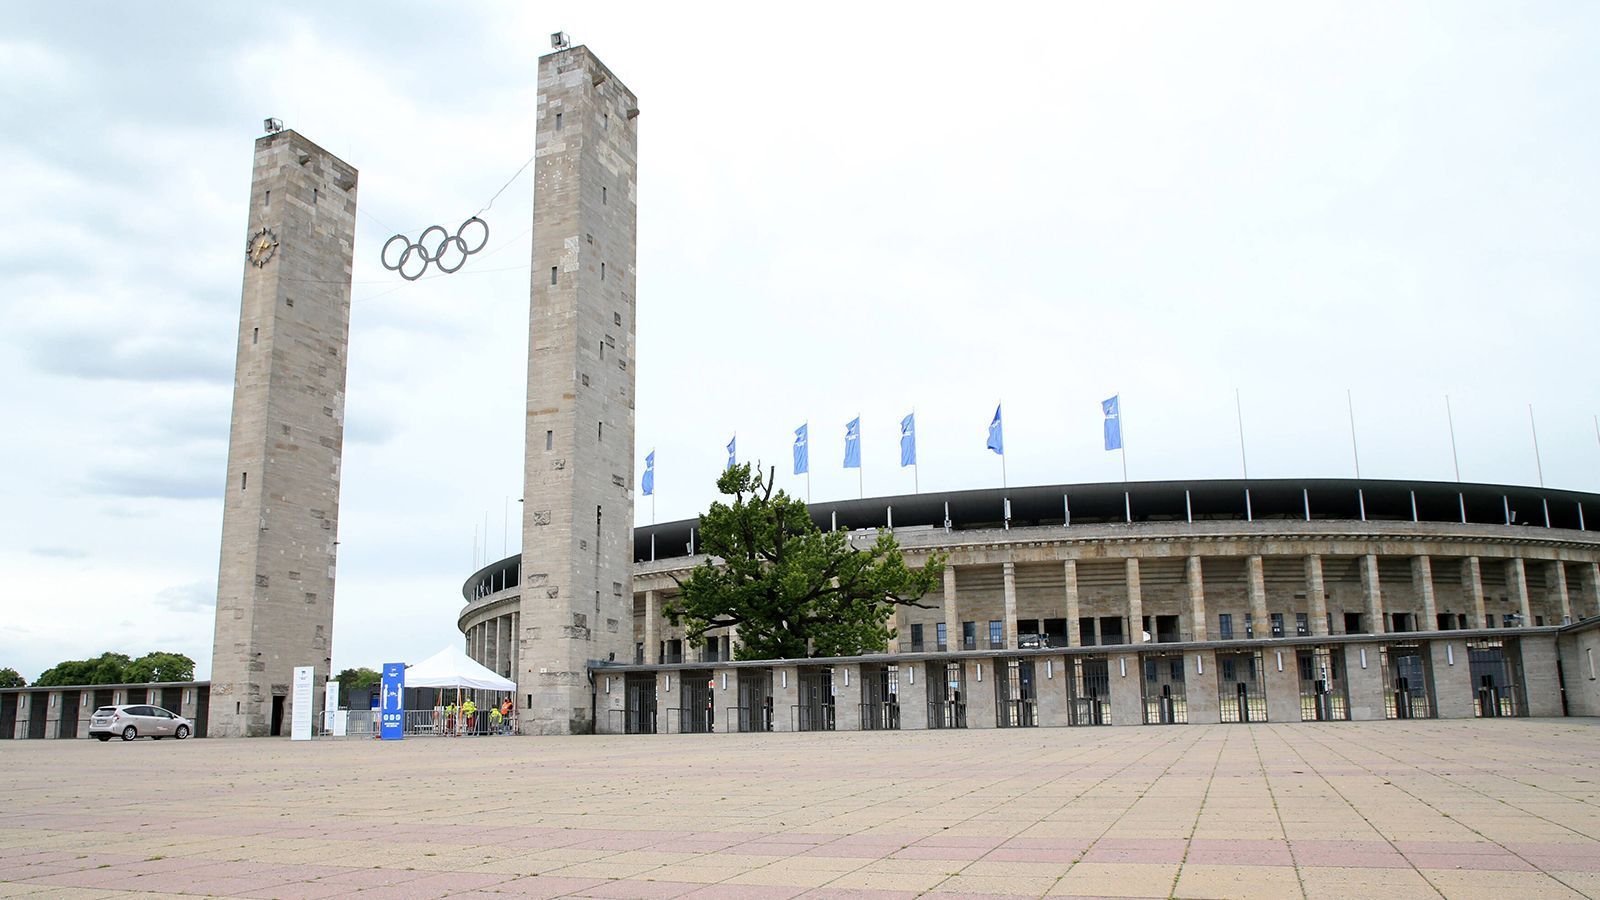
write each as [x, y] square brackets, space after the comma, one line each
[647, 484]
[802, 452]
[733, 458]
[908, 441]
[852, 443]
[1113, 410]
[996, 439]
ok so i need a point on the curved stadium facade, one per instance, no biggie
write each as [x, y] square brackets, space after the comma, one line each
[1144, 603]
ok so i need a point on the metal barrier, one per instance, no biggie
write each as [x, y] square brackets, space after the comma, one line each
[883, 716]
[743, 719]
[949, 714]
[811, 717]
[1020, 713]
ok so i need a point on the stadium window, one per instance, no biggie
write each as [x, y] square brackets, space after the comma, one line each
[558, 120]
[267, 201]
[616, 318]
[1225, 626]
[939, 635]
[1249, 625]
[599, 431]
[244, 480]
[969, 635]
[549, 440]
[552, 274]
[602, 271]
[602, 195]
[916, 637]
[313, 196]
[1302, 624]
[255, 335]
[996, 633]
[1277, 624]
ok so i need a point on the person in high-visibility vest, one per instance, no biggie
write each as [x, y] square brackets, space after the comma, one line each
[468, 710]
[450, 718]
[495, 718]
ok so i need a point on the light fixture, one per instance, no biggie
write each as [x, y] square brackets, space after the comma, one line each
[1200, 665]
[1363, 657]
[724, 680]
[784, 676]
[980, 672]
[1280, 660]
[560, 41]
[1449, 655]
[846, 678]
[1122, 666]
[1048, 673]
[669, 684]
[272, 125]
[911, 675]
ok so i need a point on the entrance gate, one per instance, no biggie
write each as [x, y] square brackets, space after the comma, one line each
[947, 687]
[8, 716]
[1240, 694]
[1015, 705]
[640, 715]
[694, 698]
[880, 698]
[815, 710]
[1407, 682]
[38, 708]
[67, 717]
[1496, 678]
[1089, 690]
[1163, 685]
[1323, 696]
[755, 700]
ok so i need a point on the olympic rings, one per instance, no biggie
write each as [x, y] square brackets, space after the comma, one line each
[433, 249]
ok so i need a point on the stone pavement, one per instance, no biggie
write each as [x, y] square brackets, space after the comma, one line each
[1506, 808]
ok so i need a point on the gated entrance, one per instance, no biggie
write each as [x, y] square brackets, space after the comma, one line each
[695, 697]
[1407, 682]
[67, 717]
[38, 709]
[1163, 686]
[202, 709]
[1496, 678]
[1323, 696]
[880, 697]
[1015, 705]
[1089, 690]
[947, 688]
[639, 716]
[815, 709]
[755, 700]
[1241, 696]
[8, 716]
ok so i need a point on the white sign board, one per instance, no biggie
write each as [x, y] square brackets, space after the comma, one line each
[300, 721]
[330, 705]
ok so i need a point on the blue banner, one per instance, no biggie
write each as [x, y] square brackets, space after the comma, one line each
[733, 458]
[997, 441]
[1112, 408]
[908, 441]
[852, 443]
[392, 708]
[647, 484]
[802, 450]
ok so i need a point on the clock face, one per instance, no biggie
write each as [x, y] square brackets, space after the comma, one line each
[260, 247]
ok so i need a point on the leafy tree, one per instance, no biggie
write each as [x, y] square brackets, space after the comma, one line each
[160, 666]
[107, 668]
[793, 589]
[10, 677]
[353, 681]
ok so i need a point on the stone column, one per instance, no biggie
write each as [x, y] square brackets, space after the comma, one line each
[1008, 572]
[952, 614]
[1517, 586]
[493, 664]
[1135, 602]
[1200, 687]
[1555, 580]
[1373, 592]
[1590, 579]
[785, 695]
[652, 634]
[847, 697]
[913, 697]
[1050, 690]
[725, 696]
[1256, 588]
[667, 691]
[1365, 683]
[1452, 680]
[1541, 685]
[1127, 697]
[1282, 684]
[611, 698]
[1472, 586]
[1316, 596]
[1069, 570]
[1422, 583]
[980, 694]
[1197, 599]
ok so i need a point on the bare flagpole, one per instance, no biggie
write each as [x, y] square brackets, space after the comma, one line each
[1354, 450]
[861, 479]
[1122, 433]
[1239, 411]
[1449, 417]
[916, 461]
[1534, 427]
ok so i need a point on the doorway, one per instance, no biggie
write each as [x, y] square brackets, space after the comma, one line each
[1014, 698]
[277, 715]
[1089, 690]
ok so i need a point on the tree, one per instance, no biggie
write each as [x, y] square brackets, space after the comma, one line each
[160, 666]
[10, 677]
[354, 680]
[107, 668]
[793, 590]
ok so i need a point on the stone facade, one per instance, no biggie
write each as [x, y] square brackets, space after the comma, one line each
[281, 504]
[577, 526]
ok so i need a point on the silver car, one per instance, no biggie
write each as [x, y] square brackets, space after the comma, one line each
[131, 721]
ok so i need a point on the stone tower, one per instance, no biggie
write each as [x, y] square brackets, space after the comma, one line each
[281, 505]
[577, 519]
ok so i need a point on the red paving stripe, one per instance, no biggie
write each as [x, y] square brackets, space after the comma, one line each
[1204, 852]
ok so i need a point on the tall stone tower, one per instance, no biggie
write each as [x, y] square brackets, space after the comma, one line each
[577, 518]
[281, 506]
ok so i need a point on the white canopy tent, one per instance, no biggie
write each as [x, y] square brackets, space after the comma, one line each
[452, 668]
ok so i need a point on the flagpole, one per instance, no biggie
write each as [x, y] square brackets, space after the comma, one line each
[1449, 417]
[1122, 443]
[916, 465]
[1534, 427]
[1354, 450]
[1239, 411]
[861, 479]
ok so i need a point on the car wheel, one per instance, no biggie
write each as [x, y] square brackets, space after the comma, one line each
[103, 738]
[129, 733]
[182, 732]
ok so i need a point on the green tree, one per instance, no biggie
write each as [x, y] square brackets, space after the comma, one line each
[160, 666]
[353, 681]
[793, 589]
[107, 668]
[10, 677]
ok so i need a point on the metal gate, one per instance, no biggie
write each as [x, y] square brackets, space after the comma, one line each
[202, 709]
[1240, 693]
[1015, 704]
[947, 687]
[694, 699]
[755, 700]
[8, 716]
[880, 698]
[67, 716]
[1323, 696]
[1161, 678]
[1406, 682]
[640, 695]
[1089, 690]
[815, 710]
[38, 709]
[172, 700]
[1496, 678]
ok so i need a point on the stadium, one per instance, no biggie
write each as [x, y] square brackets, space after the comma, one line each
[1144, 603]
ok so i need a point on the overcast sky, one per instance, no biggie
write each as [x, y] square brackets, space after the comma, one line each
[841, 211]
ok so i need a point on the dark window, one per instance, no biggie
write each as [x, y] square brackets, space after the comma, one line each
[997, 631]
[244, 480]
[916, 637]
[599, 431]
[255, 335]
[617, 318]
[552, 274]
[288, 301]
[1352, 624]
[939, 635]
[313, 196]
[602, 195]
[267, 202]
[1249, 625]
[1277, 624]
[1177, 668]
[558, 120]
[549, 440]
[969, 635]
[602, 271]
[1225, 626]
[1302, 624]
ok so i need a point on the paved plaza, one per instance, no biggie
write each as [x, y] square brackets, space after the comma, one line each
[1504, 809]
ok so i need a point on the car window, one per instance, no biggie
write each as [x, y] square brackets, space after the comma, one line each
[165, 714]
[105, 710]
[140, 711]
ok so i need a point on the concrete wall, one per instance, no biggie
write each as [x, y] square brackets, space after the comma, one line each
[1452, 679]
[1539, 675]
[1200, 686]
[1282, 684]
[1050, 687]
[1580, 663]
[1364, 683]
[1127, 699]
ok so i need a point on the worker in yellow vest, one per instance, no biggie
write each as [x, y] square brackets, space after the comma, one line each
[468, 710]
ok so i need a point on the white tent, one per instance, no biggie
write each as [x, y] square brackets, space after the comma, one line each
[452, 668]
